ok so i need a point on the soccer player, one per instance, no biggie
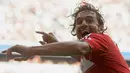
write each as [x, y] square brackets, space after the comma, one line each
[98, 53]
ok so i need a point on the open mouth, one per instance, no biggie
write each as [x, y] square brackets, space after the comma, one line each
[85, 33]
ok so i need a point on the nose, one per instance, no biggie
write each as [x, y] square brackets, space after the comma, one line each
[84, 23]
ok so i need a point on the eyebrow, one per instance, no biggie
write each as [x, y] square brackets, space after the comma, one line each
[84, 17]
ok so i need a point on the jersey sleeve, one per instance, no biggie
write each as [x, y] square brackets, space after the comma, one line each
[97, 42]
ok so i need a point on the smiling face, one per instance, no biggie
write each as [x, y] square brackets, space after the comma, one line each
[86, 22]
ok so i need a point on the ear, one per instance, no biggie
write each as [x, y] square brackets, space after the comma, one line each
[100, 27]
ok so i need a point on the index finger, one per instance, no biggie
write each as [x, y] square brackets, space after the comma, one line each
[20, 59]
[4, 51]
[41, 32]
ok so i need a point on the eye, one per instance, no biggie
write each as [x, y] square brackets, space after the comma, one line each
[79, 21]
[89, 20]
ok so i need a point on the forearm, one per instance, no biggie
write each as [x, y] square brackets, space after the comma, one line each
[57, 49]
[75, 57]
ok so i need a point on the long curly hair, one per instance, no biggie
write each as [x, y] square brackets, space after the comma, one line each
[88, 7]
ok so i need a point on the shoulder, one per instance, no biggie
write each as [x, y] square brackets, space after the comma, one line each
[97, 40]
[96, 36]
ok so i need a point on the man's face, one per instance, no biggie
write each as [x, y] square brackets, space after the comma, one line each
[86, 22]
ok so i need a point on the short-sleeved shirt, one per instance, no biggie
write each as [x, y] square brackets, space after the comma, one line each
[105, 56]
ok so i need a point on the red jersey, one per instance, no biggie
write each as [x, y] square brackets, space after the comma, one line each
[105, 56]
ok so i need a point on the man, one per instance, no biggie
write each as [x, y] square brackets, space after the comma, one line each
[97, 51]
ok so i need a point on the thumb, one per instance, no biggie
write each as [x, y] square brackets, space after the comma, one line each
[51, 34]
[42, 43]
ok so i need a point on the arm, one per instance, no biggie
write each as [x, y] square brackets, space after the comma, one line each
[52, 39]
[53, 49]
[61, 49]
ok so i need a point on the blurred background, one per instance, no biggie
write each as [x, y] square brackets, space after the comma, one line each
[19, 19]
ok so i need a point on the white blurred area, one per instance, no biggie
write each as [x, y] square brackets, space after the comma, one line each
[37, 66]
[19, 19]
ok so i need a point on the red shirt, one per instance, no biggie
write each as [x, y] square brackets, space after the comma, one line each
[105, 56]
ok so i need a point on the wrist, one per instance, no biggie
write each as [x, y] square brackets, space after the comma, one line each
[14, 48]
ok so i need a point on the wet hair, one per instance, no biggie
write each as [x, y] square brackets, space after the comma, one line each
[88, 7]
